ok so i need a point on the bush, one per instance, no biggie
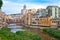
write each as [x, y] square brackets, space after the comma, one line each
[28, 35]
[5, 34]
[53, 32]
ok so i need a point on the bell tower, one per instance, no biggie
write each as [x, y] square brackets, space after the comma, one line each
[24, 7]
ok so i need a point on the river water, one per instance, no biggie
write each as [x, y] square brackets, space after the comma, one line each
[37, 31]
[15, 28]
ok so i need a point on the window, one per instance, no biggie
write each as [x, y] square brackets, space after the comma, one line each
[55, 13]
[50, 12]
[38, 11]
[53, 21]
[33, 16]
[34, 22]
[38, 22]
[36, 19]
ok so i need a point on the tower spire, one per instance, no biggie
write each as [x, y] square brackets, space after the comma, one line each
[24, 7]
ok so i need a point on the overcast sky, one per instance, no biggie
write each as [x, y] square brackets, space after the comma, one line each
[15, 6]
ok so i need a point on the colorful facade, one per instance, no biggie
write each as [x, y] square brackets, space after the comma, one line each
[2, 19]
[45, 21]
[41, 17]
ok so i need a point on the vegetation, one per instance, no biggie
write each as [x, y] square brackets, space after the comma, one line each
[53, 32]
[5, 34]
[1, 3]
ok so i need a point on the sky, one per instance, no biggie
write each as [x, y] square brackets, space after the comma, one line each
[15, 6]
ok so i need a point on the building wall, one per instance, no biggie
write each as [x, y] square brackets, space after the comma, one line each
[44, 12]
[28, 16]
[2, 18]
[33, 18]
[41, 12]
[41, 17]
[45, 21]
[59, 13]
[53, 11]
[29, 19]
[55, 22]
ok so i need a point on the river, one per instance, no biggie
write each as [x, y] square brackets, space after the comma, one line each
[35, 30]
[15, 28]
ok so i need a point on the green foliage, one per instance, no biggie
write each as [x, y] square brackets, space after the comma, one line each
[1, 3]
[29, 35]
[5, 34]
[53, 32]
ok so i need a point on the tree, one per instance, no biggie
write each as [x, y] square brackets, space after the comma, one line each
[1, 3]
[6, 34]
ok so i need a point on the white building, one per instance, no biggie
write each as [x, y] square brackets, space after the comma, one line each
[23, 10]
[59, 12]
[16, 17]
[53, 11]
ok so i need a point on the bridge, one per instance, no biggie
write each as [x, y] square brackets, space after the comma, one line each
[15, 28]
[14, 21]
[17, 22]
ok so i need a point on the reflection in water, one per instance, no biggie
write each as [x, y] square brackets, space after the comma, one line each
[15, 26]
[15, 30]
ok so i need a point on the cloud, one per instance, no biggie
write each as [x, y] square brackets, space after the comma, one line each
[13, 6]
[10, 7]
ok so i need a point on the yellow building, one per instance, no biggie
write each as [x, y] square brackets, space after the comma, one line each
[45, 21]
[32, 18]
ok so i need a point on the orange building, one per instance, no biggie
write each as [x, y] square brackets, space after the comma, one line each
[33, 20]
[45, 21]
